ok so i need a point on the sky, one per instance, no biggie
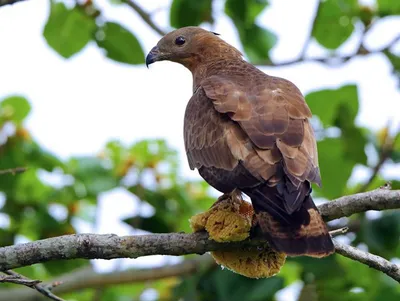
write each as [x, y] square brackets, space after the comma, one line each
[81, 103]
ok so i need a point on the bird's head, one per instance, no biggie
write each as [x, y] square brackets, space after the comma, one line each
[190, 46]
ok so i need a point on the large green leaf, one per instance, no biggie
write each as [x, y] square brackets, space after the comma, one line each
[190, 12]
[396, 150]
[382, 234]
[30, 189]
[339, 108]
[335, 167]
[353, 137]
[93, 174]
[334, 23]
[224, 285]
[155, 224]
[257, 41]
[244, 12]
[234, 287]
[394, 60]
[372, 286]
[15, 108]
[388, 7]
[120, 44]
[326, 103]
[68, 31]
[6, 237]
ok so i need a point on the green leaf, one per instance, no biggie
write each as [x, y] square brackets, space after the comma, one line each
[335, 167]
[382, 234]
[190, 12]
[244, 12]
[234, 287]
[154, 224]
[93, 173]
[15, 108]
[6, 237]
[217, 284]
[326, 103]
[290, 272]
[68, 31]
[120, 44]
[395, 60]
[318, 267]
[353, 137]
[257, 42]
[30, 189]
[334, 23]
[388, 7]
[396, 150]
[58, 267]
[339, 108]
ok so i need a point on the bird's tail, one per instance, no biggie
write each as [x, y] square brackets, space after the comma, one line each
[302, 232]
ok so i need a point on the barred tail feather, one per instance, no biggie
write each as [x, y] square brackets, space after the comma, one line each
[302, 232]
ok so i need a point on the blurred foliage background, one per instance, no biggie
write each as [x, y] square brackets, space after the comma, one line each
[28, 201]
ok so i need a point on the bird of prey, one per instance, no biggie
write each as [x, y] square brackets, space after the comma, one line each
[248, 131]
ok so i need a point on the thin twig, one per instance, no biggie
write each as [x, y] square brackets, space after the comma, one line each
[9, 2]
[14, 277]
[373, 261]
[310, 35]
[334, 60]
[12, 171]
[340, 231]
[145, 16]
[387, 150]
[18, 280]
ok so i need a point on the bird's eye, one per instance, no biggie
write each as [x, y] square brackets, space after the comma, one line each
[180, 41]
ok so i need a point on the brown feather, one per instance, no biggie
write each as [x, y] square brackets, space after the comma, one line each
[250, 131]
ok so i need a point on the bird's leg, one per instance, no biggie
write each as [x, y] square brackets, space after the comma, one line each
[233, 196]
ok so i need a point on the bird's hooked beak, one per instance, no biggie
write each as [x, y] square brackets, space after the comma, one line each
[153, 56]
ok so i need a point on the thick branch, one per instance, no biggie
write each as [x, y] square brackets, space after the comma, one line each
[109, 246]
[379, 199]
[373, 261]
[87, 278]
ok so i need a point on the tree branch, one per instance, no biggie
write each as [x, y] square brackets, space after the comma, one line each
[9, 2]
[378, 199]
[12, 171]
[85, 278]
[110, 246]
[334, 60]
[386, 151]
[145, 16]
[16, 278]
[373, 261]
[310, 35]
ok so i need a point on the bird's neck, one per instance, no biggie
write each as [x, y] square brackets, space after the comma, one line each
[212, 66]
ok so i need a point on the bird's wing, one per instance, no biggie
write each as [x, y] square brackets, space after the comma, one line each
[274, 115]
[209, 135]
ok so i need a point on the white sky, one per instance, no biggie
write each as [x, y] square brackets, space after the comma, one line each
[81, 103]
